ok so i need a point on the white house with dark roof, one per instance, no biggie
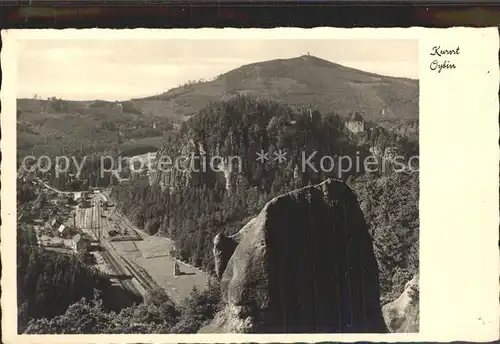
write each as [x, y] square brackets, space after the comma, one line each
[54, 222]
[63, 230]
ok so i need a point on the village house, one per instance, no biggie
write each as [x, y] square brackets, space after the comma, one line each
[63, 230]
[55, 222]
[79, 243]
[77, 196]
[355, 123]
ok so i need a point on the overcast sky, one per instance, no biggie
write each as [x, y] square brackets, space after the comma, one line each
[124, 69]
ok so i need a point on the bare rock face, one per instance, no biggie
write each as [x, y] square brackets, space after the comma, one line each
[402, 314]
[305, 264]
[188, 167]
[223, 249]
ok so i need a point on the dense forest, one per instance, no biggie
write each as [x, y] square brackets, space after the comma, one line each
[390, 207]
[193, 215]
[157, 314]
[59, 127]
[61, 294]
[49, 282]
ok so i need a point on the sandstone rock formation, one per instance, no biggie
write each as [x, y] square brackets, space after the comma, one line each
[188, 167]
[402, 314]
[223, 249]
[191, 167]
[304, 264]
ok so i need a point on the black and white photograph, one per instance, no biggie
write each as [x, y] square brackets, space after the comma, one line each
[210, 186]
[224, 185]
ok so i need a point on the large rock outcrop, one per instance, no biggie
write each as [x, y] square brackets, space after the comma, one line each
[191, 166]
[402, 314]
[305, 264]
[223, 249]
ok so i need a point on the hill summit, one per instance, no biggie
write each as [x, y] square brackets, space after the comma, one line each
[303, 80]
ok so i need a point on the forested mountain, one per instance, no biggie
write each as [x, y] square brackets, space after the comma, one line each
[302, 80]
[56, 126]
[192, 207]
[301, 109]
[51, 125]
[243, 126]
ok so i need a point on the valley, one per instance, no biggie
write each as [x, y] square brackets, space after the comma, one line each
[187, 246]
[137, 261]
[141, 125]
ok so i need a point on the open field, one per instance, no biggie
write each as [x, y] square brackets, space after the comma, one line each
[152, 254]
[139, 261]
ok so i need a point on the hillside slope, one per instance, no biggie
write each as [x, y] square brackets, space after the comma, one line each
[305, 80]
[52, 125]
[49, 125]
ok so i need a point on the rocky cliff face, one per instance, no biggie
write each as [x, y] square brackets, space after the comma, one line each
[304, 264]
[402, 315]
[191, 166]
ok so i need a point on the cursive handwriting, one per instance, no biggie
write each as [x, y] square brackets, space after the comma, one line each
[438, 65]
[437, 51]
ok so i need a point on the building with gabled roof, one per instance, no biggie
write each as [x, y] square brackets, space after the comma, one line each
[355, 122]
[55, 222]
[63, 230]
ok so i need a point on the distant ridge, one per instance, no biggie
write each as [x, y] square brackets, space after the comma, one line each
[303, 80]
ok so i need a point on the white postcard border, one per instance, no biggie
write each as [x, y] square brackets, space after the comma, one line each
[459, 181]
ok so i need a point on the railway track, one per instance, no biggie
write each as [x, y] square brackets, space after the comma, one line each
[144, 281]
[126, 268]
[120, 271]
[124, 222]
[126, 283]
[90, 221]
[150, 275]
[127, 225]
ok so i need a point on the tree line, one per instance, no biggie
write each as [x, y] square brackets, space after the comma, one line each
[60, 293]
[192, 215]
[56, 292]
